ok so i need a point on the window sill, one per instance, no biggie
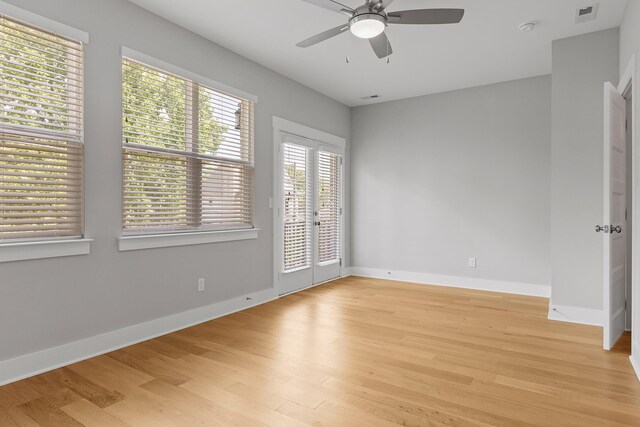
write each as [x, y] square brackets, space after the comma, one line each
[21, 251]
[134, 243]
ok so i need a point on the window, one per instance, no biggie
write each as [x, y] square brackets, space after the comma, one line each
[41, 139]
[329, 206]
[297, 207]
[187, 154]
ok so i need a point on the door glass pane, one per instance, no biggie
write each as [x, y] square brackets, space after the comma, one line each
[297, 207]
[328, 207]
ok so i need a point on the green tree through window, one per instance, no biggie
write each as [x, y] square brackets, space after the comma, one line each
[41, 155]
[183, 152]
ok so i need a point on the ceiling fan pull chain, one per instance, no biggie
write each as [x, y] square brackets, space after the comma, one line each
[348, 43]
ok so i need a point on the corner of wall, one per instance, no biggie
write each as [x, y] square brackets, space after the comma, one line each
[581, 64]
[584, 316]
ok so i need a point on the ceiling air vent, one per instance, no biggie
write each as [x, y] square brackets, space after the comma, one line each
[586, 13]
[371, 97]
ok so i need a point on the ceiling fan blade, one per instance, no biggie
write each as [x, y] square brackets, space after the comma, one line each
[331, 5]
[323, 36]
[426, 16]
[381, 45]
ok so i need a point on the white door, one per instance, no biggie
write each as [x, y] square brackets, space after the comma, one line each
[295, 214]
[614, 215]
[309, 212]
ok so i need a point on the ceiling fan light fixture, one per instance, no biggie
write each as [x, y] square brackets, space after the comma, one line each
[367, 25]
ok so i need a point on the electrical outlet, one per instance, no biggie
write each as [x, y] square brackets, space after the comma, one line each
[200, 285]
[472, 263]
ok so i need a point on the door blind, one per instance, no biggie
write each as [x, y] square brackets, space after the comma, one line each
[297, 207]
[187, 154]
[41, 149]
[328, 207]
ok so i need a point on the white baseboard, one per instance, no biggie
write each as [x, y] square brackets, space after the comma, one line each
[585, 316]
[45, 360]
[456, 281]
[635, 357]
[636, 365]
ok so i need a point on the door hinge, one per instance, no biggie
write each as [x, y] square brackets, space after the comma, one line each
[341, 266]
[340, 211]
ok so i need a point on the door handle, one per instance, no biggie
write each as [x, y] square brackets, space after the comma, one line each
[616, 229]
[600, 228]
[316, 223]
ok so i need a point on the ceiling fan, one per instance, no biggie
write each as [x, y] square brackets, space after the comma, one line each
[369, 21]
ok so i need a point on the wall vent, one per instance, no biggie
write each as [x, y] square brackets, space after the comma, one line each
[586, 13]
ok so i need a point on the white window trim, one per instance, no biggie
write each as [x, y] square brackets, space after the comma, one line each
[43, 22]
[184, 238]
[54, 248]
[21, 251]
[178, 71]
[151, 241]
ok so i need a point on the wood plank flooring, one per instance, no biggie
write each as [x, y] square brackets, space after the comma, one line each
[354, 352]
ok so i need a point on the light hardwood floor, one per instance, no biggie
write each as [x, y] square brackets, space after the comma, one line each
[354, 352]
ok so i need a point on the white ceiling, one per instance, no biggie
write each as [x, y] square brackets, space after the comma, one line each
[486, 47]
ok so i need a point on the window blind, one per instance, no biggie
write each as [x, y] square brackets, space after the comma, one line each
[328, 207]
[297, 207]
[187, 154]
[41, 141]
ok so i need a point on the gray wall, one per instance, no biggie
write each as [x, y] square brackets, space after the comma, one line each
[629, 34]
[44, 303]
[581, 65]
[441, 178]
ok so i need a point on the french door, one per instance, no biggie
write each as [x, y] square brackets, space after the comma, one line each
[309, 213]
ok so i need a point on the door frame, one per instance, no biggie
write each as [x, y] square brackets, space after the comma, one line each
[629, 85]
[281, 127]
